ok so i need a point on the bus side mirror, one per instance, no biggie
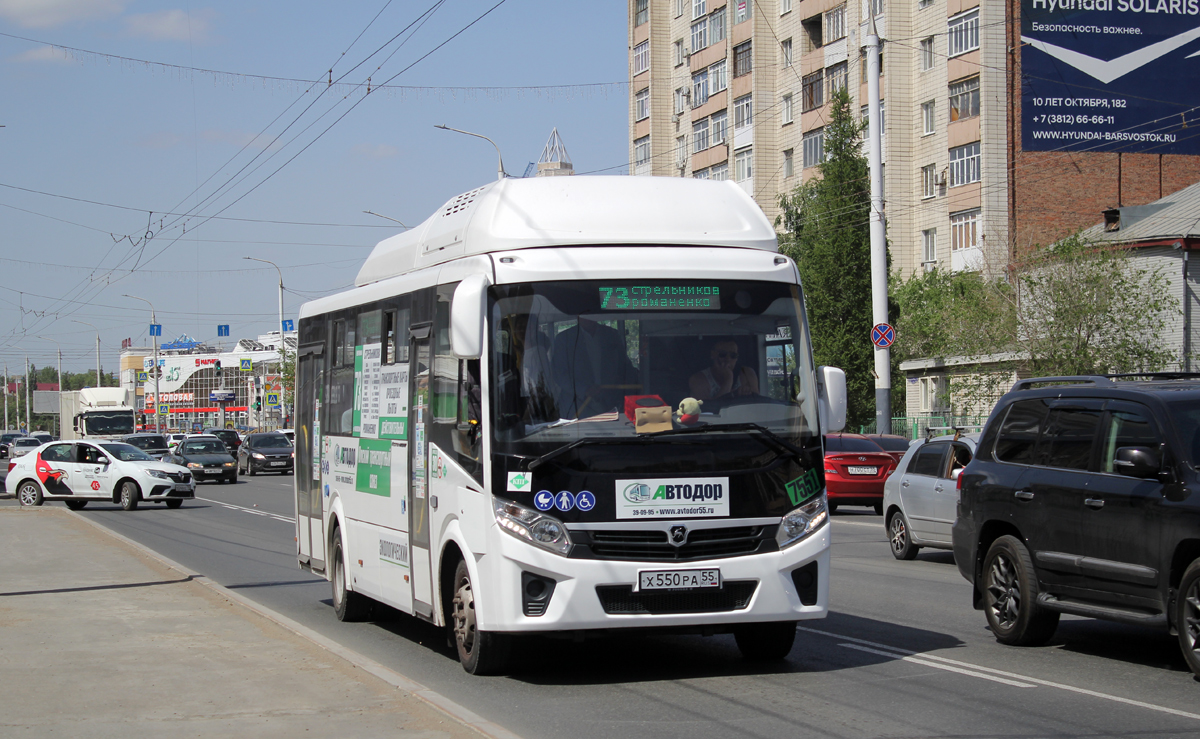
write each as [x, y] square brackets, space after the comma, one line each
[831, 395]
[466, 317]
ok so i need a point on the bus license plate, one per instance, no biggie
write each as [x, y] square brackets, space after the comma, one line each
[679, 579]
[863, 470]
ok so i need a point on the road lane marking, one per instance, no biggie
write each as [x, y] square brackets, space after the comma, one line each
[255, 511]
[990, 670]
[936, 665]
[860, 523]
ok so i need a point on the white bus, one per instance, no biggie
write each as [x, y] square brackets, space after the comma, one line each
[487, 425]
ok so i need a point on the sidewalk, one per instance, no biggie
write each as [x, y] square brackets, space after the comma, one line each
[97, 639]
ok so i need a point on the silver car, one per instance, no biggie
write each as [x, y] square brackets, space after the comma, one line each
[920, 499]
[23, 445]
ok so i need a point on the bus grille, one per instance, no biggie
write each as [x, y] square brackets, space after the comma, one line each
[653, 546]
[734, 595]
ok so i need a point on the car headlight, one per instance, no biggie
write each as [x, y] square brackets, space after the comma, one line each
[801, 522]
[159, 474]
[194, 466]
[229, 464]
[256, 455]
[531, 526]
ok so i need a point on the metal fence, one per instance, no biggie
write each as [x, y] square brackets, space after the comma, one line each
[918, 427]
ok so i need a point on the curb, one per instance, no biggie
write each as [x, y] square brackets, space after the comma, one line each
[450, 708]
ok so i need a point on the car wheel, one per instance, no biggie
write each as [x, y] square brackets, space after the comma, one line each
[347, 604]
[480, 652]
[1187, 616]
[898, 536]
[766, 641]
[130, 495]
[29, 493]
[76, 505]
[174, 502]
[1010, 592]
[250, 468]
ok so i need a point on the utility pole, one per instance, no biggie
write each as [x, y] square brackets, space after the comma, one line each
[879, 286]
[156, 370]
[5, 396]
[282, 352]
[28, 418]
[60, 387]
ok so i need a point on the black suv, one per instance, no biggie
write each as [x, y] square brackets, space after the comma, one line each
[1084, 498]
[229, 436]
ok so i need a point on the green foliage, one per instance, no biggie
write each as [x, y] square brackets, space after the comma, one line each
[827, 232]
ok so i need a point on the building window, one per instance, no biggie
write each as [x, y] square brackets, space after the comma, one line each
[699, 35]
[928, 117]
[743, 165]
[812, 91]
[964, 99]
[641, 105]
[929, 181]
[836, 78]
[720, 122]
[719, 171]
[929, 247]
[641, 150]
[641, 57]
[700, 88]
[700, 174]
[787, 109]
[963, 33]
[933, 394]
[679, 7]
[924, 3]
[812, 33]
[865, 113]
[742, 60]
[742, 12]
[785, 52]
[927, 54]
[965, 164]
[743, 112]
[679, 53]
[964, 230]
[681, 150]
[681, 96]
[862, 61]
[716, 26]
[699, 136]
[718, 77]
[869, 6]
[641, 12]
[835, 24]
[785, 6]
[814, 148]
[789, 165]
[699, 8]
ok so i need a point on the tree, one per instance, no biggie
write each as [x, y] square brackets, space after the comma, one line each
[827, 232]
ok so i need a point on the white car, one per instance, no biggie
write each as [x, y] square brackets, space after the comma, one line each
[77, 472]
[22, 446]
[920, 499]
[289, 433]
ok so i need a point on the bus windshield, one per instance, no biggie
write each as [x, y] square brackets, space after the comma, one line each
[576, 360]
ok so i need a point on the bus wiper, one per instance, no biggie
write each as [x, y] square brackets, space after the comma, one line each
[765, 434]
[589, 441]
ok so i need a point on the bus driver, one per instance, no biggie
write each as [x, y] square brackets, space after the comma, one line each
[723, 378]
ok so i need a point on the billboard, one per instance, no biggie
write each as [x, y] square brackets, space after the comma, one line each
[1110, 75]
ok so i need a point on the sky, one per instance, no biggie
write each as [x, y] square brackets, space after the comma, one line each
[148, 147]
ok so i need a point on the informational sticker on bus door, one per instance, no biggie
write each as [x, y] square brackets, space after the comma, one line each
[678, 497]
[370, 380]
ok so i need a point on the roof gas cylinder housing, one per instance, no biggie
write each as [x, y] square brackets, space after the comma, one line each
[575, 211]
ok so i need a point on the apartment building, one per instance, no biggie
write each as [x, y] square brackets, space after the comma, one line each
[740, 89]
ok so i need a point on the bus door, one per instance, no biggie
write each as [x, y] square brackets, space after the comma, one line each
[420, 421]
[310, 520]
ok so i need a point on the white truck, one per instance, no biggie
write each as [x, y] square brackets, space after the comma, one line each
[96, 413]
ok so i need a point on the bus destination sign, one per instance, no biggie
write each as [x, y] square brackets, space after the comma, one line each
[658, 296]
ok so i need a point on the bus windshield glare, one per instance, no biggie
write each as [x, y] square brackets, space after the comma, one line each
[575, 360]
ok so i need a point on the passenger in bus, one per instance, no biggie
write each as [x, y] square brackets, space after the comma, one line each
[723, 378]
[525, 362]
[592, 371]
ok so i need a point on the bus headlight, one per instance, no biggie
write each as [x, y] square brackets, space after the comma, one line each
[531, 526]
[801, 522]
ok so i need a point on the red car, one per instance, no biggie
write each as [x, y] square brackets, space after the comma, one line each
[893, 444]
[855, 470]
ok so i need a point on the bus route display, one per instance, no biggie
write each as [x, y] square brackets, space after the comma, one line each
[660, 296]
[1110, 75]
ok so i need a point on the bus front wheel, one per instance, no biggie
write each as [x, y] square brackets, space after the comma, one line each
[480, 652]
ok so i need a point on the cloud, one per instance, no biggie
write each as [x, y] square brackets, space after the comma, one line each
[43, 54]
[170, 25]
[375, 151]
[49, 13]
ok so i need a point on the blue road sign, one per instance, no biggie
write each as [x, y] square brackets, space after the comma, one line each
[143, 376]
[163, 409]
[156, 329]
[272, 399]
[288, 325]
[223, 329]
[247, 365]
[883, 335]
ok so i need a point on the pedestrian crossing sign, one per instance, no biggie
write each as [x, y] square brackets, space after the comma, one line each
[272, 399]
[247, 365]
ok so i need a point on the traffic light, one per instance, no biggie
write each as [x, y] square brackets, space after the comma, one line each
[217, 367]
[257, 403]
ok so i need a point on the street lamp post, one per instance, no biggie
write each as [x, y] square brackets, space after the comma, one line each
[282, 386]
[60, 387]
[153, 321]
[499, 159]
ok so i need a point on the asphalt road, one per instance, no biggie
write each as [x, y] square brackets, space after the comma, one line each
[902, 653]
